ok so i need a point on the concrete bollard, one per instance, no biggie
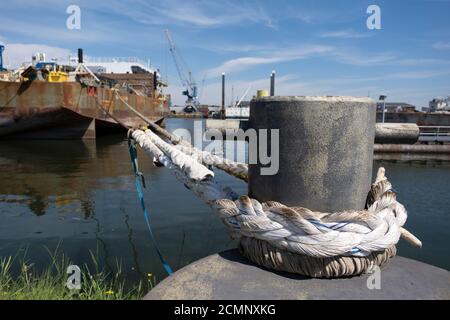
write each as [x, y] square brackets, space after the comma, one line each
[326, 151]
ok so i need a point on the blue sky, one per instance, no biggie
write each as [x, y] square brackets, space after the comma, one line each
[316, 47]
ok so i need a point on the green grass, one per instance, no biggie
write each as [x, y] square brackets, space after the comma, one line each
[50, 284]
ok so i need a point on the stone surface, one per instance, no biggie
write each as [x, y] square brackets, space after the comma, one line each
[222, 125]
[229, 276]
[326, 151]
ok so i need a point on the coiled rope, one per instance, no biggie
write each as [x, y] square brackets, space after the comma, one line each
[296, 239]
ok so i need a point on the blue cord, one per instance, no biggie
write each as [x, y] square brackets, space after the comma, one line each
[137, 175]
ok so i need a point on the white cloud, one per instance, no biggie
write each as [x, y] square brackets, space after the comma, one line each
[418, 74]
[196, 14]
[304, 17]
[292, 54]
[236, 48]
[266, 55]
[355, 58]
[421, 62]
[349, 56]
[442, 45]
[51, 25]
[240, 64]
[32, 30]
[345, 34]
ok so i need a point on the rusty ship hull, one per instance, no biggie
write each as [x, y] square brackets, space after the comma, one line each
[70, 110]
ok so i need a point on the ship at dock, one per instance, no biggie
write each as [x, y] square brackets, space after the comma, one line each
[48, 100]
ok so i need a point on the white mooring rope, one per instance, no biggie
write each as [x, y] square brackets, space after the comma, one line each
[239, 170]
[163, 151]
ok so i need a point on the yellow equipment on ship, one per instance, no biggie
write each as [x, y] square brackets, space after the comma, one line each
[58, 76]
[262, 93]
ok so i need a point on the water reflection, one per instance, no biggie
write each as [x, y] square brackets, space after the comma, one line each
[37, 203]
[43, 173]
[81, 195]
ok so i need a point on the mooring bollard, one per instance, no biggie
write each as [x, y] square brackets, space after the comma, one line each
[325, 147]
[326, 152]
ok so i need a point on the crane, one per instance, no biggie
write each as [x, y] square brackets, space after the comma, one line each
[243, 97]
[186, 77]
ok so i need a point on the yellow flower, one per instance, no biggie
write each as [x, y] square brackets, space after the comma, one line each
[109, 292]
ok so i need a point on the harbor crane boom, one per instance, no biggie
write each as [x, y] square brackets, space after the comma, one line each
[185, 74]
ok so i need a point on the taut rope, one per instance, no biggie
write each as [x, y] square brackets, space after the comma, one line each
[239, 170]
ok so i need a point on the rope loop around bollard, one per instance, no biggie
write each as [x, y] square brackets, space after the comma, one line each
[296, 239]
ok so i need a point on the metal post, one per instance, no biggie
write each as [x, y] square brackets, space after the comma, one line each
[272, 84]
[232, 96]
[80, 55]
[223, 96]
[155, 83]
[383, 98]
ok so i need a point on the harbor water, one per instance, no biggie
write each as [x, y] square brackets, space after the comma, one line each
[80, 197]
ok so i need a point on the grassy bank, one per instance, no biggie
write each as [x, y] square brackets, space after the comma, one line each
[19, 280]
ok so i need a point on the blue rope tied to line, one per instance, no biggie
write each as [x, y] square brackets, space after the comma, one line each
[137, 175]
